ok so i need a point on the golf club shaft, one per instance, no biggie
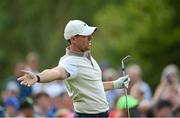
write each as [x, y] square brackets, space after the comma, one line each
[125, 89]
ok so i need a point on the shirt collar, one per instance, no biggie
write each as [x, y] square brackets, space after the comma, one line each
[74, 53]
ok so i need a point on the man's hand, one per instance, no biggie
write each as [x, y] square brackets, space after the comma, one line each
[28, 79]
[121, 82]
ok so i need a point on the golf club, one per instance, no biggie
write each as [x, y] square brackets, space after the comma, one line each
[125, 89]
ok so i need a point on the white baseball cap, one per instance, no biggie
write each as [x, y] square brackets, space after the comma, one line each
[77, 27]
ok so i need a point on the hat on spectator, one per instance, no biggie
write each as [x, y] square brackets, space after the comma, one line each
[12, 101]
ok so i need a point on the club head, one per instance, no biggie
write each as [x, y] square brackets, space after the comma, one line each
[128, 56]
[122, 62]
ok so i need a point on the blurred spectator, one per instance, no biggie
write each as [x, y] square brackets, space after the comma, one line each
[11, 105]
[110, 74]
[53, 88]
[63, 101]
[32, 60]
[11, 89]
[176, 111]
[32, 64]
[2, 112]
[26, 108]
[144, 105]
[42, 105]
[14, 88]
[121, 110]
[139, 89]
[168, 87]
[64, 113]
[64, 106]
[145, 109]
[144, 91]
[163, 108]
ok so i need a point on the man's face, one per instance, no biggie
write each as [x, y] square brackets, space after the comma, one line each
[82, 43]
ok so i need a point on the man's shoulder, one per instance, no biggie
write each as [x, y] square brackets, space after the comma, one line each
[67, 60]
[70, 58]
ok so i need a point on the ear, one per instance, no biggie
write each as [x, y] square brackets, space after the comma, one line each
[73, 39]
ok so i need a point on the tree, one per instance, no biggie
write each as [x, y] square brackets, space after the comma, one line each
[140, 28]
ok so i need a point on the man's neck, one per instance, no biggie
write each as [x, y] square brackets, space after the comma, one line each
[70, 51]
[75, 49]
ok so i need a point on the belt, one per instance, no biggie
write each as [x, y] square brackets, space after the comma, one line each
[102, 114]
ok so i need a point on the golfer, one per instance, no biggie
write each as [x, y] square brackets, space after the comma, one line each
[80, 73]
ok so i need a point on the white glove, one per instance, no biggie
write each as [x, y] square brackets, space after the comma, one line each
[28, 79]
[121, 82]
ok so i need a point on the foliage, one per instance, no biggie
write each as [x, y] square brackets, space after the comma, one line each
[147, 30]
[142, 29]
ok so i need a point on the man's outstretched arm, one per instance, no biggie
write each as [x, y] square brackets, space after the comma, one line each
[47, 75]
[117, 84]
[108, 85]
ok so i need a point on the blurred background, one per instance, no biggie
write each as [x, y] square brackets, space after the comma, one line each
[31, 33]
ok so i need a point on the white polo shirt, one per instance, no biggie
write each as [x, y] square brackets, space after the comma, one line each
[85, 84]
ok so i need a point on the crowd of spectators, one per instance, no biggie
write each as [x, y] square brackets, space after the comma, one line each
[52, 100]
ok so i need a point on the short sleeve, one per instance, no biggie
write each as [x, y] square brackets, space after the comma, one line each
[70, 66]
